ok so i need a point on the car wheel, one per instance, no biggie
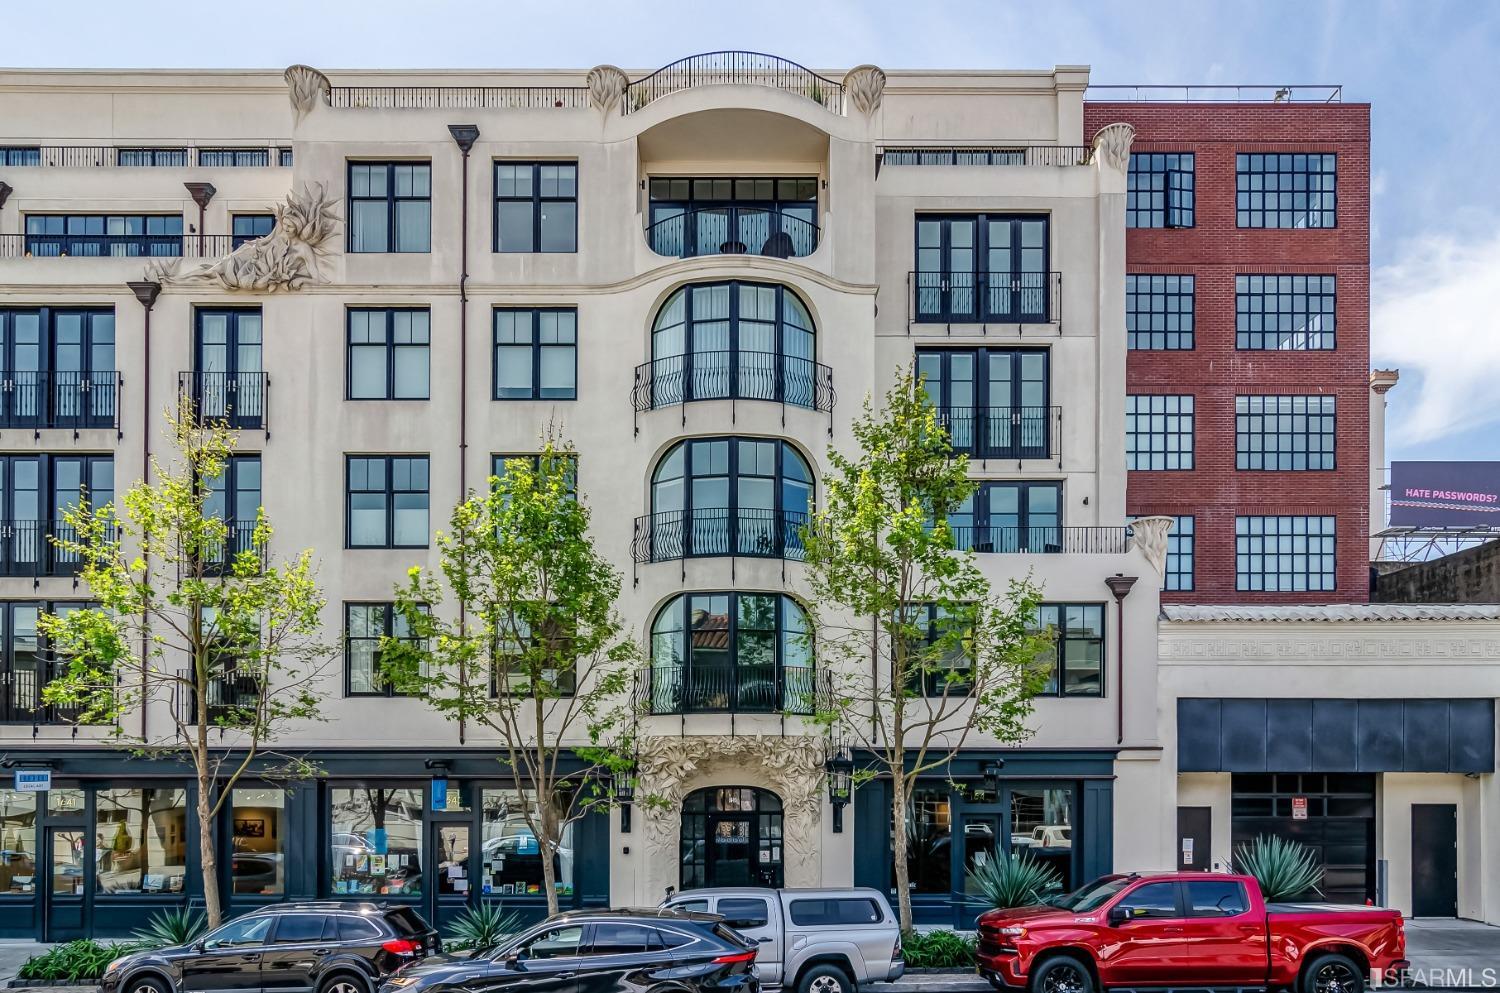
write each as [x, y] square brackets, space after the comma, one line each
[1332, 974]
[147, 984]
[343, 982]
[1063, 974]
[825, 979]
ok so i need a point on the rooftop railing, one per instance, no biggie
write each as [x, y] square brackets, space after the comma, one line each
[458, 97]
[984, 155]
[745, 68]
[137, 156]
[1208, 93]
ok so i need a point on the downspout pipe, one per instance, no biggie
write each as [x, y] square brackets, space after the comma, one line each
[146, 292]
[1119, 585]
[464, 135]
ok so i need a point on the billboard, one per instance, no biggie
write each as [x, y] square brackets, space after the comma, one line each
[1445, 494]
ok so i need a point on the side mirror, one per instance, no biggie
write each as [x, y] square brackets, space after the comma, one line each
[1118, 915]
[512, 960]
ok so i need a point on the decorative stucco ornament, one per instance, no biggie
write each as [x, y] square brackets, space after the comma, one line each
[288, 258]
[1112, 145]
[1149, 534]
[791, 767]
[305, 87]
[606, 87]
[865, 86]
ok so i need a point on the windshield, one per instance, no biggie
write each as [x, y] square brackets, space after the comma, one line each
[1091, 896]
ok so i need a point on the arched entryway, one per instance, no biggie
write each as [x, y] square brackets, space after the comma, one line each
[731, 836]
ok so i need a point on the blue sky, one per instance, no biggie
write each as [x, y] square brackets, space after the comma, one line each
[1429, 69]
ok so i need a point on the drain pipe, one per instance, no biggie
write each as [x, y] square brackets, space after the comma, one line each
[1120, 585]
[464, 135]
[146, 292]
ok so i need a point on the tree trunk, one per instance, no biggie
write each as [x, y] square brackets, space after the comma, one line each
[550, 845]
[898, 849]
[207, 850]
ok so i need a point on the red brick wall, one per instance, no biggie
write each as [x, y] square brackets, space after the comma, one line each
[1215, 372]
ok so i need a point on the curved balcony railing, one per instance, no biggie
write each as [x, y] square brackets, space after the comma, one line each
[753, 688]
[935, 297]
[74, 400]
[777, 234]
[712, 532]
[1005, 432]
[745, 68]
[1042, 540]
[743, 375]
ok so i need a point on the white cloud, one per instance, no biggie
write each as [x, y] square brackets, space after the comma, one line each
[1435, 311]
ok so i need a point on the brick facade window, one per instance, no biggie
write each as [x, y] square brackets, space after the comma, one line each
[1285, 433]
[1159, 432]
[1159, 190]
[1284, 313]
[1284, 554]
[1180, 562]
[1159, 312]
[1288, 190]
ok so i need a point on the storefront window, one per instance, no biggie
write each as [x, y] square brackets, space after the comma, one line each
[1041, 823]
[258, 862]
[929, 835]
[17, 842]
[376, 840]
[65, 803]
[511, 859]
[140, 841]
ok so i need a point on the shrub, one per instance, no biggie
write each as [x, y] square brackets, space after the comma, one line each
[1016, 880]
[78, 961]
[484, 926]
[172, 927]
[1285, 869]
[938, 950]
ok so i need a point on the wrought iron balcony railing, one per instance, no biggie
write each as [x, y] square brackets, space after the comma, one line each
[742, 375]
[733, 231]
[27, 549]
[116, 246]
[239, 539]
[707, 533]
[458, 97]
[984, 155]
[75, 400]
[21, 685]
[744, 68]
[233, 699]
[1043, 540]
[743, 688]
[239, 399]
[1005, 432]
[972, 298]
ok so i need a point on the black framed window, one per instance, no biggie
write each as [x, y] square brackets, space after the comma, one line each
[1077, 651]
[248, 227]
[1159, 431]
[1284, 554]
[20, 155]
[1181, 558]
[536, 206]
[58, 364]
[727, 651]
[729, 496]
[389, 353]
[994, 401]
[234, 497]
[536, 353]
[234, 157]
[982, 267]
[228, 381]
[1159, 311]
[750, 341]
[151, 157]
[946, 677]
[1284, 433]
[499, 469]
[1285, 313]
[104, 235]
[365, 625]
[1009, 517]
[386, 501]
[390, 207]
[284, 157]
[1159, 190]
[1286, 190]
[722, 215]
[27, 664]
[36, 494]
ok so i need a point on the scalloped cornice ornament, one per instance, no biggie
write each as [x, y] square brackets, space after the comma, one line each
[306, 87]
[607, 85]
[288, 258]
[1112, 145]
[865, 87]
[1149, 534]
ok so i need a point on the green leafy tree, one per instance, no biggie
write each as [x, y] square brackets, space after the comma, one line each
[519, 635]
[922, 653]
[187, 624]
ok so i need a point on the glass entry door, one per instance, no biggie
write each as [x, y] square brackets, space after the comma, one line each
[66, 881]
[731, 836]
[452, 850]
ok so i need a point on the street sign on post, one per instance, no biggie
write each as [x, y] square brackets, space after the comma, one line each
[33, 780]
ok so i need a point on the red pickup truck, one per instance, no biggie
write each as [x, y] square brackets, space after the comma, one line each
[1187, 930]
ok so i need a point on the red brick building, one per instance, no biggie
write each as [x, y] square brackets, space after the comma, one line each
[1248, 254]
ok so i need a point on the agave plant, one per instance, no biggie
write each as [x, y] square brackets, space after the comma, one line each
[172, 927]
[1015, 880]
[484, 926]
[1285, 869]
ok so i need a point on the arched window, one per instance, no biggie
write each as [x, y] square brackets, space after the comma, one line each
[729, 496]
[731, 836]
[751, 341]
[731, 652]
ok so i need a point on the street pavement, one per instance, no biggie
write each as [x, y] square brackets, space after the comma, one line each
[13, 953]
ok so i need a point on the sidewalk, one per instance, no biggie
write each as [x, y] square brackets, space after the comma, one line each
[13, 953]
[1453, 953]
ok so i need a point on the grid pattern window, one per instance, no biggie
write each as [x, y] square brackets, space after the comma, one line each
[388, 353]
[1286, 190]
[100, 235]
[1077, 651]
[1284, 554]
[151, 157]
[20, 155]
[1284, 313]
[390, 207]
[1180, 558]
[1284, 433]
[1159, 312]
[386, 501]
[284, 157]
[1159, 431]
[237, 157]
[536, 206]
[536, 354]
[1159, 190]
[248, 227]
[365, 626]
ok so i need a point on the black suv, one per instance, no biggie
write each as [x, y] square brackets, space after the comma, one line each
[289, 947]
[607, 951]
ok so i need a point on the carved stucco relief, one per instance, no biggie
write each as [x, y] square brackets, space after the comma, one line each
[1149, 534]
[865, 87]
[607, 85]
[306, 86]
[1112, 145]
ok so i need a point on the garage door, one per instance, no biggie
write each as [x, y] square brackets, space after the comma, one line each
[1339, 824]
